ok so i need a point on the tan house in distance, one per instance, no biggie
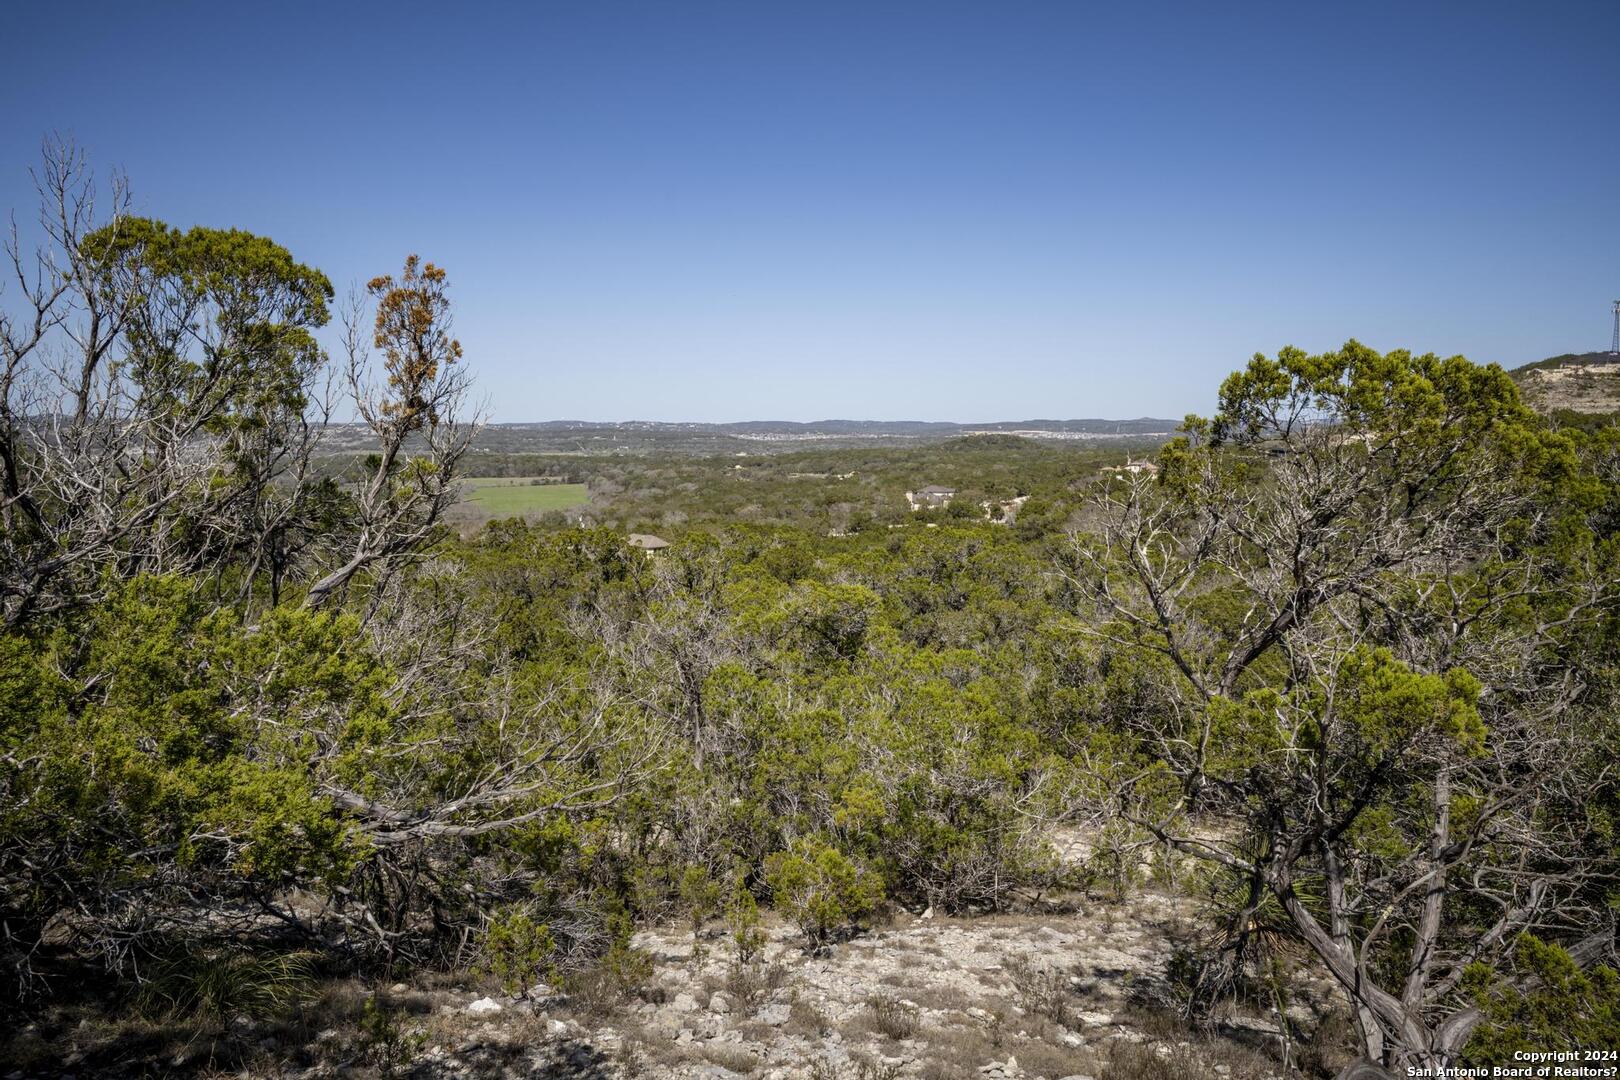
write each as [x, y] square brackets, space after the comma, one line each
[648, 542]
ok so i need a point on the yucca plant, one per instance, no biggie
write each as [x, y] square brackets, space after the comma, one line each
[1253, 933]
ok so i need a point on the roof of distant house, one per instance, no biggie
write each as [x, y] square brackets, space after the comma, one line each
[1132, 465]
[648, 542]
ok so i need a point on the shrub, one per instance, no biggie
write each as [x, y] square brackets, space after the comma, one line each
[383, 1042]
[621, 973]
[892, 1017]
[821, 889]
[749, 984]
[516, 947]
[1041, 990]
[832, 620]
[1140, 1061]
[700, 894]
[743, 924]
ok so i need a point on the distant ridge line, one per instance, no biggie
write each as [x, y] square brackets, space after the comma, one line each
[1145, 425]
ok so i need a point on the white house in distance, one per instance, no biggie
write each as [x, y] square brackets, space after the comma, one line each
[1133, 467]
[932, 497]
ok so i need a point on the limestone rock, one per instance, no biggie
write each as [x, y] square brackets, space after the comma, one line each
[484, 1006]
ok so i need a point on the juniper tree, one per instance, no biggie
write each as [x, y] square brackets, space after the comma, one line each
[1378, 589]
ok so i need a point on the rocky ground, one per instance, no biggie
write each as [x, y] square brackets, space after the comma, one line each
[1075, 991]
[1062, 996]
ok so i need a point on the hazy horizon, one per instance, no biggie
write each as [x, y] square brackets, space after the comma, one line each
[840, 420]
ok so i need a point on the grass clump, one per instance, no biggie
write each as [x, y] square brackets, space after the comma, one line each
[210, 987]
[891, 1017]
[1041, 989]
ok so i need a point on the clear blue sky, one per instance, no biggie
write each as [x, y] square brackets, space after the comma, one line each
[931, 210]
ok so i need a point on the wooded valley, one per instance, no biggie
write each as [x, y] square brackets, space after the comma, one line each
[1335, 677]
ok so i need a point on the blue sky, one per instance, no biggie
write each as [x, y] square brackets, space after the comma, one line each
[930, 210]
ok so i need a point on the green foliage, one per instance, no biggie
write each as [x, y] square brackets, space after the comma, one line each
[164, 736]
[1565, 1008]
[516, 948]
[1379, 708]
[1373, 601]
[261, 304]
[384, 1042]
[744, 925]
[544, 738]
[830, 621]
[821, 889]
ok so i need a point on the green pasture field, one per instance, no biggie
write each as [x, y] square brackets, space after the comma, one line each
[515, 496]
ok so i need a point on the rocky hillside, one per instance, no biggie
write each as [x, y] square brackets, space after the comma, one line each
[1579, 382]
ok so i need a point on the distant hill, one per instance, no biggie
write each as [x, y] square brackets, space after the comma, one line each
[1143, 425]
[745, 438]
[1585, 359]
[1576, 382]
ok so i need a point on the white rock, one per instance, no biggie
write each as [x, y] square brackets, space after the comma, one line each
[684, 1002]
[775, 1015]
[484, 1006]
[719, 1003]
